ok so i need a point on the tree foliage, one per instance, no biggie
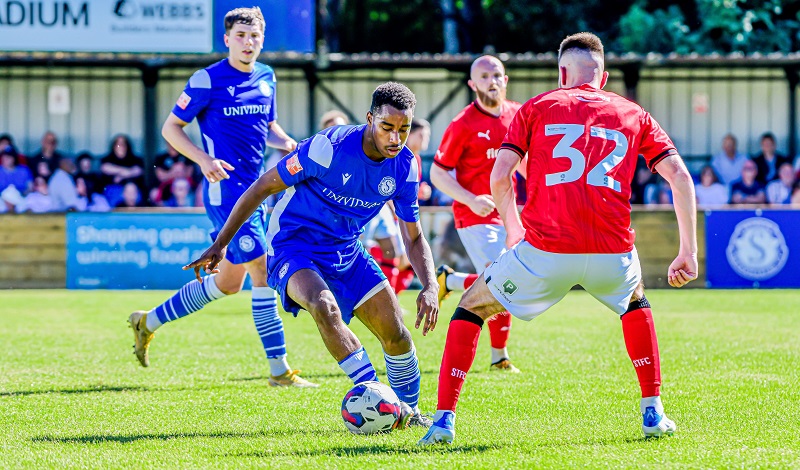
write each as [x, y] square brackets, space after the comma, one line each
[642, 26]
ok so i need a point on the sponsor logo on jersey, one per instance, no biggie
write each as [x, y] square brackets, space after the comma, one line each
[387, 186]
[757, 249]
[349, 201]
[231, 89]
[284, 270]
[345, 178]
[183, 100]
[247, 244]
[509, 287]
[293, 165]
[264, 88]
[484, 135]
[246, 109]
[458, 373]
[491, 154]
[439, 154]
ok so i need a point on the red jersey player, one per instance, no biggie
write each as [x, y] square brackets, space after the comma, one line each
[582, 145]
[469, 146]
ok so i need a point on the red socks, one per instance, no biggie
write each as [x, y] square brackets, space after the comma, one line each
[388, 267]
[459, 353]
[470, 280]
[403, 280]
[499, 329]
[642, 344]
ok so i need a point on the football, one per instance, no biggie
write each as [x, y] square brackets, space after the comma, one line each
[370, 407]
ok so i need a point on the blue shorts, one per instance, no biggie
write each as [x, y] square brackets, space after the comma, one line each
[250, 242]
[351, 274]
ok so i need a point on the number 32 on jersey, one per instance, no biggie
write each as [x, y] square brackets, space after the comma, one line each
[597, 176]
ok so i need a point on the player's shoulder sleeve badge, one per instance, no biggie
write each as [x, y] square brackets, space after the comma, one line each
[183, 100]
[293, 165]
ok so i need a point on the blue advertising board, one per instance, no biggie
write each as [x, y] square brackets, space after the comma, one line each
[290, 24]
[133, 251]
[752, 248]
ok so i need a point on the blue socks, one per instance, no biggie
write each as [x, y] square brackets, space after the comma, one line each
[404, 376]
[270, 328]
[358, 367]
[190, 298]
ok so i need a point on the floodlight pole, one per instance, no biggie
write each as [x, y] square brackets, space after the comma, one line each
[793, 77]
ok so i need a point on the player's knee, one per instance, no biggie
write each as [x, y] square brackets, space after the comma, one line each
[638, 293]
[324, 309]
[398, 341]
[229, 289]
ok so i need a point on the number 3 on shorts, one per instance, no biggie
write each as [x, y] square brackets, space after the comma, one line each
[597, 176]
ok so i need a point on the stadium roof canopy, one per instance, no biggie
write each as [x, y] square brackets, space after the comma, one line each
[339, 61]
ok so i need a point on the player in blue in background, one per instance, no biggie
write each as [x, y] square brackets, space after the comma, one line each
[234, 103]
[335, 182]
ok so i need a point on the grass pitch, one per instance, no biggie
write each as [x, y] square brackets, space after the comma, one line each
[73, 396]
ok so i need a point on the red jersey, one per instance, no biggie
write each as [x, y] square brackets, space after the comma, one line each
[582, 146]
[469, 145]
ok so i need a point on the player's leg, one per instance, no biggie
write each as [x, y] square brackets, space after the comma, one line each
[484, 243]
[616, 281]
[190, 298]
[381, 314]
[525, 282]
[270, 328]
[306, 289]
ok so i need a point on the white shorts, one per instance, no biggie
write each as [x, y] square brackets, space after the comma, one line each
[383, 226]
[528, 281]
[483, 243]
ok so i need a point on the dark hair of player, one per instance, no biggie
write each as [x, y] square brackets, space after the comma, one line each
[395, 95]
[419, 123]
[246, 16]
[584, 41]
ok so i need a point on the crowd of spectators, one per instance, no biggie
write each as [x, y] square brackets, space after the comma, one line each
[50, 181]
[732, 178]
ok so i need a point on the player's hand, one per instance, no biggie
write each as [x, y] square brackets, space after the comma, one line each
[425, 191]
[428, 308]
[214, 169]
[291, 144]
[208, 261]
[482, 205]
[683, 270]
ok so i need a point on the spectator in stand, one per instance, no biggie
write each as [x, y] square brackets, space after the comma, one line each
[795, 198]
[61, 187]
[131, 196]
[169, 167]
[769, 160]
[120, 167]
[37, 201]
[12, 173]
[747, 190]
[181, 194]
[47, 154]
[419, 137]
[7, 141]
[728, 163]
[333, 117]
[10, 198]
[643, 187]
[709, 191]
[85, 169]
[88, 199]
[780, 191]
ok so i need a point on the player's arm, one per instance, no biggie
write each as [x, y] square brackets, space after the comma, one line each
[279, 139]
[503, 192]
[482, 205]
[684, 268]
[419, 254]
[173, 132]
[267, 184]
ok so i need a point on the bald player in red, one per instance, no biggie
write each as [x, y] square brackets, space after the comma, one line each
[469, 146]
[582, 144]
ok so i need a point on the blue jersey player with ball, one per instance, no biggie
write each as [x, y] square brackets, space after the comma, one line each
[233, 101]
[335, 182]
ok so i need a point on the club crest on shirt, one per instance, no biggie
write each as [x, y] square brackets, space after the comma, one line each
[387, 186]
[264, 88]
[247, 244]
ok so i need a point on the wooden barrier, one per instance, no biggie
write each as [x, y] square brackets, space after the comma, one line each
[33, 251]
[33, 248]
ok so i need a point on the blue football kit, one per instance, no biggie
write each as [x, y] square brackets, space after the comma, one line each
[233, 110]
[334, 190]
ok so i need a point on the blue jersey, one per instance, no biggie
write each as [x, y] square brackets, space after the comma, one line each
[335, 189]
[233, 110]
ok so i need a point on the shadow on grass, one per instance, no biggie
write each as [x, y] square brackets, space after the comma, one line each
[356, 450]
[322, 375]
[128, 438]
[92, 389]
